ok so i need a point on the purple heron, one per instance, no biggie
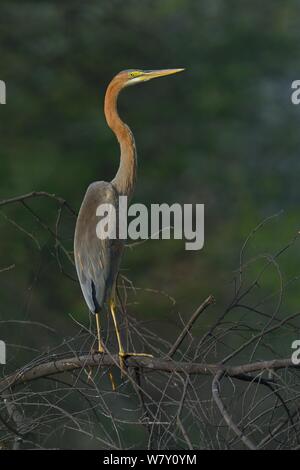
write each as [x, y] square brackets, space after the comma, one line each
[98, 260]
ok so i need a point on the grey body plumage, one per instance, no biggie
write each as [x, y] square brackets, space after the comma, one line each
[97, 260]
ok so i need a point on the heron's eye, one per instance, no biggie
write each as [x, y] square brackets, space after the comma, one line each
[135, 74]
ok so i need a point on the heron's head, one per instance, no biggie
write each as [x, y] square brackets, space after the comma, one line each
[132, 77]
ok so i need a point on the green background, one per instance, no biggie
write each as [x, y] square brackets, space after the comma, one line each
[223, 133]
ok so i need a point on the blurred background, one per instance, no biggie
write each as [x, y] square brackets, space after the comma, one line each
[224, 134]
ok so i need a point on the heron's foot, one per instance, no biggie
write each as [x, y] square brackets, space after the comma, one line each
[123, 355]
[112, 381]
[126, 354]
[101, 350]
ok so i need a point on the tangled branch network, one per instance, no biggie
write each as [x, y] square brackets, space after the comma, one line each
[222, 382]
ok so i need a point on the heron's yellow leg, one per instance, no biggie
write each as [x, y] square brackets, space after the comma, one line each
[122, 353]
[101, 350]
[100, 347]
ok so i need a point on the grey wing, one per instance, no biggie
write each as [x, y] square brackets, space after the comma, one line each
[97, 260]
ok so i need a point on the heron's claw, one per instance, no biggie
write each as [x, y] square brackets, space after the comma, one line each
[137, 354]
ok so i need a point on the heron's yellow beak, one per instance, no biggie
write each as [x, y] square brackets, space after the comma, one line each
[149, 74]
[139, 76]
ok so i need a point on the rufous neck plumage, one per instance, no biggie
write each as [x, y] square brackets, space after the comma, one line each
[125, 178]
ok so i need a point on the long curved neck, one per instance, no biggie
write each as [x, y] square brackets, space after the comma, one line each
[124, 181]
